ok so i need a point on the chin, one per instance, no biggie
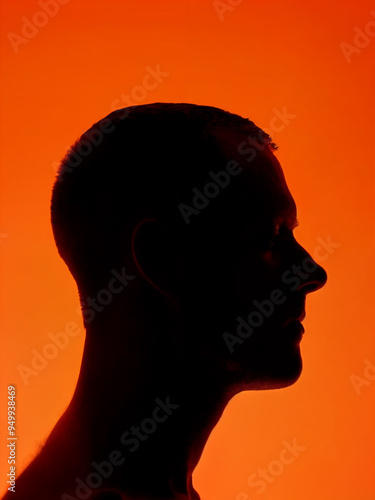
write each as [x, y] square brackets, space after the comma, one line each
[267, 382]
[284, 380]
[284, 371]
[275, 370]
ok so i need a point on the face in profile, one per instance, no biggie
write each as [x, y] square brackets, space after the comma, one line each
[253, 278]
[224, 289]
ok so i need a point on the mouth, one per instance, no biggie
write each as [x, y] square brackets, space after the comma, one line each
[294, 330]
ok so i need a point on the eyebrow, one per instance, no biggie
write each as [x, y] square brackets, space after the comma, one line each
[294, 222]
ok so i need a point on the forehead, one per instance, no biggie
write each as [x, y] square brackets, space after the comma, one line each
[264, 182]
[262, 191]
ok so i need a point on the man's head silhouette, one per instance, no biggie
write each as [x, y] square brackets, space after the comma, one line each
[177, 225]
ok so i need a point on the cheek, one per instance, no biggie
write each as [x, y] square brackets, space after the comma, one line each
[256, 275]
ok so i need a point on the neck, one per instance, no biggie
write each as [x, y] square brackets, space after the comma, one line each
[158, 419]
[142, 426]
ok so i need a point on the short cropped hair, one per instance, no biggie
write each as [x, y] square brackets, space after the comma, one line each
[138, 162]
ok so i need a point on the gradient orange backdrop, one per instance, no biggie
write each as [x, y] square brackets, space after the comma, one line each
[256, 58]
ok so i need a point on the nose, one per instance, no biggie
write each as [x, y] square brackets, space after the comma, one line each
[315, 276]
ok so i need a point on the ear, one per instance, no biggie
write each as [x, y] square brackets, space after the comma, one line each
[154, 254]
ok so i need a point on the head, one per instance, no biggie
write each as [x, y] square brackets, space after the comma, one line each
[189, 205]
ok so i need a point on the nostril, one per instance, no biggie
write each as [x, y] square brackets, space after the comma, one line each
[311, 287]
[314, 285]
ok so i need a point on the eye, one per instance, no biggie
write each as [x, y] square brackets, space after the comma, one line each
[270, 242]
[264, 240]
[280, 235]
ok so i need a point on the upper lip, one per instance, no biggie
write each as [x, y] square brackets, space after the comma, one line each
[301, 317]
[296, 312]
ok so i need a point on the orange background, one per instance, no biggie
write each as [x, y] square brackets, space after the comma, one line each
[260, 57]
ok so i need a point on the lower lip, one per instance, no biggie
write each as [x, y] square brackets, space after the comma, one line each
[295, 330]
